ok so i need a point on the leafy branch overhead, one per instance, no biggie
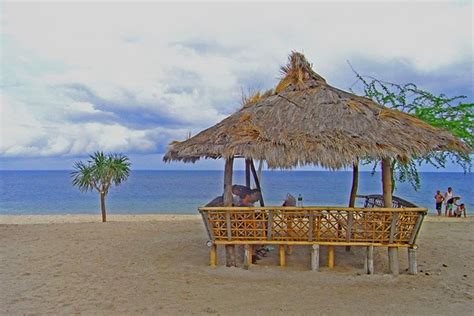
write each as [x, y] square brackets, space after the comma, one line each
[441, 111]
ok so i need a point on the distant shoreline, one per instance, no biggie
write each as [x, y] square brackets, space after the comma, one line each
[88, 218]
[217, 170]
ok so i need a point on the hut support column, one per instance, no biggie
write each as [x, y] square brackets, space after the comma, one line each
[387, 199]
[247, 256]
[369, 260]
[412, 266]
[315, 257]
[229, 249]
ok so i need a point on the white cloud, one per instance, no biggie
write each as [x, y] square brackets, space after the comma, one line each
[187, 61]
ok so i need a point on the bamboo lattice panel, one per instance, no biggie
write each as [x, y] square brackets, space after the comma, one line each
[313, 225]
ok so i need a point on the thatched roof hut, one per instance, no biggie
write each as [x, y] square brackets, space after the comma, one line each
[306, 121]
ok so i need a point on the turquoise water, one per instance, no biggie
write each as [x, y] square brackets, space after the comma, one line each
[181, 192]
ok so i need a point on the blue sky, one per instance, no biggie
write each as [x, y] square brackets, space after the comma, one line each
[127, 77]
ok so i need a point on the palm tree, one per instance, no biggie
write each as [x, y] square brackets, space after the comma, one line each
[99, 172]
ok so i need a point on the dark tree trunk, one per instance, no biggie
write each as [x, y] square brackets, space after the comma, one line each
[102, 207]
[352, 197]
[387, 182]
[355, 184]
[228, 169]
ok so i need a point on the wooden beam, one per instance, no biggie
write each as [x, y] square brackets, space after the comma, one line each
[247, 173]
[229, 249]
[257, 181]
[422, 210]
[306, 243]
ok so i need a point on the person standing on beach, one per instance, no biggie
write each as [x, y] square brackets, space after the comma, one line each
[447, 196]
[439, 201]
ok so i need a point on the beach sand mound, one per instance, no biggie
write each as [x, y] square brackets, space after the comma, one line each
[159, 265]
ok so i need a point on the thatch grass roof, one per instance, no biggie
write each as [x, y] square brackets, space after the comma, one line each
[306, 121]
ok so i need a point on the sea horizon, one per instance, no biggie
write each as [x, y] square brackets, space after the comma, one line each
[33, 192]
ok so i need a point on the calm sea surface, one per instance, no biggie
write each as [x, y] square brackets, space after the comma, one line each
[181, 192]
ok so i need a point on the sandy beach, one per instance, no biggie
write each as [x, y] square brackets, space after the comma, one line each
[158, 264]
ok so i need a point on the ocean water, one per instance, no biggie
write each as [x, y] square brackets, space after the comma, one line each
[182, 192]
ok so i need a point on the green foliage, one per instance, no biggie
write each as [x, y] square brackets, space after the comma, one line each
[100, 172]
[439, 111]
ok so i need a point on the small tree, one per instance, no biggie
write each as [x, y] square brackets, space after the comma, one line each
[99, 172]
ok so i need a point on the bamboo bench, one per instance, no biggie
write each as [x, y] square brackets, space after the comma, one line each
[315, 226]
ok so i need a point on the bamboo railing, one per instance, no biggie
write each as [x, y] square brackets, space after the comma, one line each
[313, 225]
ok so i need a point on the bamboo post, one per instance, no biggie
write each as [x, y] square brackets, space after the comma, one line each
[330, 257]
[369, 260]
[387, 199]
[311, 226]
[282, 255]
[270, 224]
[213, 255]
[247, 173]
[412, 266]
[229, 249]
[247, 256]
[315, 257]
[350, 223]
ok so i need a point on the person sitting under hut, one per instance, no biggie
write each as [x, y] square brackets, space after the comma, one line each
[238, 192]
[248, 198]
